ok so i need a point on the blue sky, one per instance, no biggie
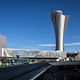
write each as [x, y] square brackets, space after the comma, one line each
[27, 23]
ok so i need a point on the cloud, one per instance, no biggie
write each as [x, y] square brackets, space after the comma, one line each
[66, 44]
[48, 45]
[72, 44]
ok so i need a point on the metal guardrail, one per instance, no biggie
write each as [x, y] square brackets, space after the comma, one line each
[65, 63]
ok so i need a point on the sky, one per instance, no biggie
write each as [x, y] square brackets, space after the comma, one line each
[27, 23]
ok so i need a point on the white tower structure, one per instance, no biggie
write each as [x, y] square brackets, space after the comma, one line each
[59, 20]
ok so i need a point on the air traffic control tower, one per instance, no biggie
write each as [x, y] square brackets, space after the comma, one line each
[59, 20]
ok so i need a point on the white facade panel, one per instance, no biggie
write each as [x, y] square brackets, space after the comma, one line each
[2, 43]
